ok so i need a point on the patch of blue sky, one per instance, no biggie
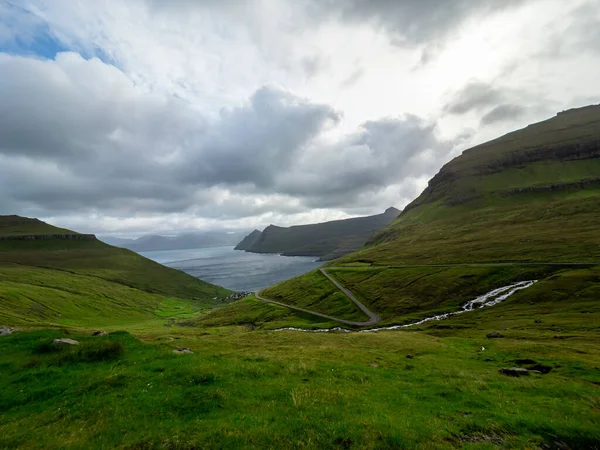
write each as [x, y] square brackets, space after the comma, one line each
[42, 45]
[27, 35]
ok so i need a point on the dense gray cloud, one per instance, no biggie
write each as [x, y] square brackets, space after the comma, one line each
[249, 112]
[474, 96]
[82, 136]
[367, 161]
[414, 21]
[79, 136]
[503, 112]
[253, 143]
[494, 104]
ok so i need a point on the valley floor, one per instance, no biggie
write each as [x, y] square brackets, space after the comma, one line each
[268, 389]
[245, 385]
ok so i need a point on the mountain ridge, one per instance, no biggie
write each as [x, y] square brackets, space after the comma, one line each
[326, 240]
[155, 242]
[506, 211]
[49, 278]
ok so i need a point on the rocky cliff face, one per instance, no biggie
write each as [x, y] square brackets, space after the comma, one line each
[328, 239]
[249, 241]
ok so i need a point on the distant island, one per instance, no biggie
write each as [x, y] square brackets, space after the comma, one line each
[327, 240]
[183, 241]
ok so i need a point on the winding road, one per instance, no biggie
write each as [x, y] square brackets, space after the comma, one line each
[374, 318]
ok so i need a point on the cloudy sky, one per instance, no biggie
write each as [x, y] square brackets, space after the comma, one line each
[158, 116]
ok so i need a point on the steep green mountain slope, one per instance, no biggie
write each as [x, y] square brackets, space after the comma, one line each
[68, 278]
[328, 240]
[532, 195]
[494, 215]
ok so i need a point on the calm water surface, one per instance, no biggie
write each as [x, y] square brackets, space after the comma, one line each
[233, 269]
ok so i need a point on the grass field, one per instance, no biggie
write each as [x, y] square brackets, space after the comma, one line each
[313, 291]
[260, 389]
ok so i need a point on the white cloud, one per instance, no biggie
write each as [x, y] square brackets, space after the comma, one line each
[260, 111]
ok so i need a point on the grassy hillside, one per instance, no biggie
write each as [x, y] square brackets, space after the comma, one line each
[86, 282]
[255, 314]
[17, 225]
[327, 240]
[532, 195]
[314, 292]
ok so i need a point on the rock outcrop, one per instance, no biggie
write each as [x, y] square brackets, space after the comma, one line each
[64, 341]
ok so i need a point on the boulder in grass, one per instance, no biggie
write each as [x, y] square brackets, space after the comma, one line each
[64, 341]
[513, 372]
[99, 333]
[5, 331]
[183, 351]
[494, 335]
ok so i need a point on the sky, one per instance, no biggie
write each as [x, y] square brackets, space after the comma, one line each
[155, 116]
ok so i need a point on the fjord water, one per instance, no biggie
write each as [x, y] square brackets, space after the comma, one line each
[233, 269]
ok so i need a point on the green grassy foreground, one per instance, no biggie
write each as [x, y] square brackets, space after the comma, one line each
[295, 390]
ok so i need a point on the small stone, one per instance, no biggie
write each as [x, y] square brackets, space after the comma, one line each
[99, 333]
[494, 335]
[183, 351]
[538, 320]
[374, 366]
[409, 356]
[65, 341]
[513, 371]
[5, 331]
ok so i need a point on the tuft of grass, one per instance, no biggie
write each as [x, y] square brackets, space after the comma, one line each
[93, 352]
[45, 347]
